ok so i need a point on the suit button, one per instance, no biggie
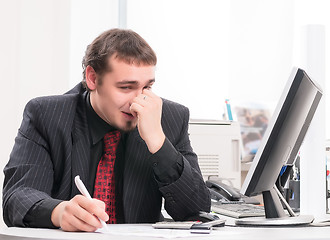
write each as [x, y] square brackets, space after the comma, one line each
[155, 164]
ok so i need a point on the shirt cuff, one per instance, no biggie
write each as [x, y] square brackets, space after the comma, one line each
[40, 214]
[167, 164]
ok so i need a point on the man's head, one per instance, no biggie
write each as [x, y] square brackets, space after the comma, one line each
[125, 45]
[118, 66]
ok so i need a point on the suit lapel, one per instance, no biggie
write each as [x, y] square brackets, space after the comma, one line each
[80, 146]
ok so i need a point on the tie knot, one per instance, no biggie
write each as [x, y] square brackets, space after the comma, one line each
[111, 140]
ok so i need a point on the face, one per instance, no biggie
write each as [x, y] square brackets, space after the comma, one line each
[112, 99]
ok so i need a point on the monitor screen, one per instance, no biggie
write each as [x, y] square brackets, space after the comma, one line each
[281, 142]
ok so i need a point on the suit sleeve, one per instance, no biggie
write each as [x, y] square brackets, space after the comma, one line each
[29, 172]
[179, 178]
[167, 164]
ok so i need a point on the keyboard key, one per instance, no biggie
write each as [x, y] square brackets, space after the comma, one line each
[238, 210]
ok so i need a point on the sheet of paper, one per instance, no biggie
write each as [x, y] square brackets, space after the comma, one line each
[146, 231]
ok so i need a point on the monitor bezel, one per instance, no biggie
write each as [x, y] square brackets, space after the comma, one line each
[271, 133]
[279, 146]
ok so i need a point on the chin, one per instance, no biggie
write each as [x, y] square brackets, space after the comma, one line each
[130, 126]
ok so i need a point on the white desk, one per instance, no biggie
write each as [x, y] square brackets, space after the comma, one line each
[226, 232]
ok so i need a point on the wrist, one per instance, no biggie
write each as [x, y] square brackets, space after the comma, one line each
[55, 215]
[156, 143]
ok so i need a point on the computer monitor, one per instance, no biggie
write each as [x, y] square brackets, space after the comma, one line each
[279, 146]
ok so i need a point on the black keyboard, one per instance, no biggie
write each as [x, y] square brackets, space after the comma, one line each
[238, 209]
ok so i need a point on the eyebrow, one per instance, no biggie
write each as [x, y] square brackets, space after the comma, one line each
[133, 82]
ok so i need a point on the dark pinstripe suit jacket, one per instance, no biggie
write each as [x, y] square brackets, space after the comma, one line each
[52, 147]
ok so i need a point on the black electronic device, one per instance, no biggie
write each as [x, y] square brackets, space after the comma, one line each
[221, 190]
[280, 145]
[228, 194]
[203, 217]
[224, 193]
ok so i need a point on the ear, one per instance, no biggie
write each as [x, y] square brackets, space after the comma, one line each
[91, 78]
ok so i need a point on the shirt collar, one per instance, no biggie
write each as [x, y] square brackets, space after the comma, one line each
[97, 126]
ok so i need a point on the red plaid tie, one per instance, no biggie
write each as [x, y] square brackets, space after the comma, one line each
[104, 189]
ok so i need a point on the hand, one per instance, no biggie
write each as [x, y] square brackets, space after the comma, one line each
[79, 214]
[147, 107]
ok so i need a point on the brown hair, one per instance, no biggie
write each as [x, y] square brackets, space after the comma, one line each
[126, 45]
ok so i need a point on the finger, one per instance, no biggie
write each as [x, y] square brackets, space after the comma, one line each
[145, 98]
[100, 210]
[75, 224]
[91, 205]
[87, 218]
[69, 220]
[141, 97]
[99, 203]
[136, 108]
[91, 208]
[84, 209]
[149, 93]
[68, 227]
[141, 100]
[146, 94]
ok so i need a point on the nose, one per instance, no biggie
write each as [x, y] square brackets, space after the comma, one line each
[135, 94]
[140, 91]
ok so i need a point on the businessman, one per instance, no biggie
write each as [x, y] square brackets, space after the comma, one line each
[129, 146]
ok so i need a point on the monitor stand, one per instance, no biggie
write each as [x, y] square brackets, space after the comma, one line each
[275, 214]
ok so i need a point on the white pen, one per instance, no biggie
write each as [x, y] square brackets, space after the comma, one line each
[80, 185]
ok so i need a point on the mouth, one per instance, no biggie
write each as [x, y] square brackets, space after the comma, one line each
[128, 115]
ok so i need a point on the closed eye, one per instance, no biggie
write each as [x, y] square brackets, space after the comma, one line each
[147, 87]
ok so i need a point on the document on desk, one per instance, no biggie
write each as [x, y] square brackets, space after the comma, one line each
[145, 231]
[148, 231]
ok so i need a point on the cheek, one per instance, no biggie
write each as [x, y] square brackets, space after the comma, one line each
[124, 99]
[121, 101]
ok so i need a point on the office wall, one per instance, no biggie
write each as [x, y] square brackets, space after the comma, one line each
[261, 42]
[87, 20]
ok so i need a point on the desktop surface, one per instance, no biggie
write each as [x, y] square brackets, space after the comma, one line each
[141, 231]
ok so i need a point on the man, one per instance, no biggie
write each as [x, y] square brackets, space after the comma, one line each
[68, 135]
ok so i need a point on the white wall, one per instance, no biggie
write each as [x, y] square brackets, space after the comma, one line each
[261, 41]
[88, 19]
